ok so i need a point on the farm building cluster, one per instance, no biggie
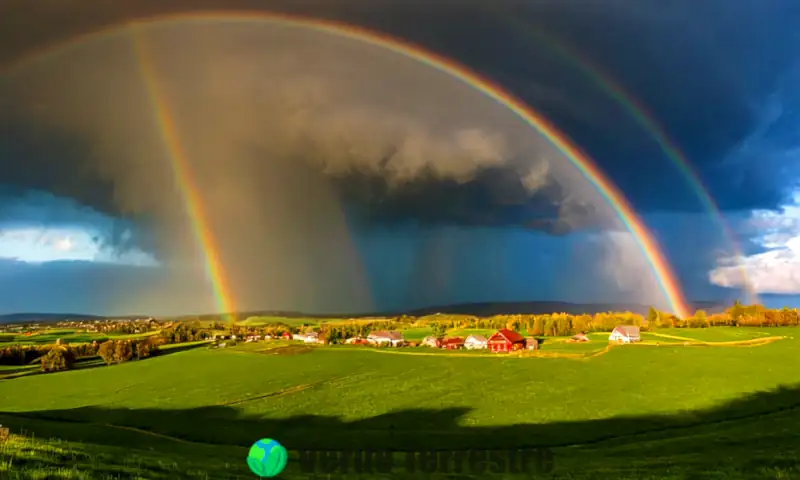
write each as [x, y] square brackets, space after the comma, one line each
[503, 340]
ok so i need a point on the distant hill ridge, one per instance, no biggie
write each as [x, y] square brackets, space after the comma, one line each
[480, 309]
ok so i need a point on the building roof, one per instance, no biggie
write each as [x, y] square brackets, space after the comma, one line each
[453, 341]
[385, 334]
[628, 330]
[508, 335]
[477, 338]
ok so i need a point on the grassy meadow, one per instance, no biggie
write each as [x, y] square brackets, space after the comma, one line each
[667, 408]
[51, 335]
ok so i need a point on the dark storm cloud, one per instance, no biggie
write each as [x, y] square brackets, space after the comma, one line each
[705, 72]
[278, 140]
[392, 158]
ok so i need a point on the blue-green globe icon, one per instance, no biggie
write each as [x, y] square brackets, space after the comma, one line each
[267, 458]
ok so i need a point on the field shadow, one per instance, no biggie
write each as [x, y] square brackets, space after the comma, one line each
[410, 429]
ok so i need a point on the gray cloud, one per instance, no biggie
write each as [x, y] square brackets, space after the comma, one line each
[291, 138]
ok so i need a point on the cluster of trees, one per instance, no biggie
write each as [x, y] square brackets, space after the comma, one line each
[118, 351]
[737, 316]
[63, 357]
[185, 332]
[22, 354]
[59, 357]
[556, 324]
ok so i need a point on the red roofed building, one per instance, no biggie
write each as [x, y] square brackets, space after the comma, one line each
[505, 341]
[453, 343]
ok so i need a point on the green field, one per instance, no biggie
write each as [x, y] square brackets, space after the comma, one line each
[50, 336]
[641, 411]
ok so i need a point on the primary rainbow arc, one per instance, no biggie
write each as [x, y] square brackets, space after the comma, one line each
[667, 280]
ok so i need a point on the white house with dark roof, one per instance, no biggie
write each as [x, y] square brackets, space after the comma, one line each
[476, 342]
[625, 334]
[394, 338]
[312, 337]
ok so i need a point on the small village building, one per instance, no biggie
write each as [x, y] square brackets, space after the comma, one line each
[581, 337]
[299, 336]
[453, 343]
[393, 338]
[286, 336]
[353, 341]
[312, 337]
[475, 342]
[432, 342]
[531, 343]
[625, 334]
[505, 340]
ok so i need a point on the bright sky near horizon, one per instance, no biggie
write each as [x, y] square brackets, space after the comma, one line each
[41, 245]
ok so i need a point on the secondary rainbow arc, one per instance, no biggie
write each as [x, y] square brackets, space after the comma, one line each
[639, 112]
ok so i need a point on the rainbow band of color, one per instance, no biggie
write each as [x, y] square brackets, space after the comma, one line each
[650, 248]
[639, 113]
[185, 180]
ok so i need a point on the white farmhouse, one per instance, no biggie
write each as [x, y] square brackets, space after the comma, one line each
[394, 338]
[625, 334]
[312, 337]
[475, 342]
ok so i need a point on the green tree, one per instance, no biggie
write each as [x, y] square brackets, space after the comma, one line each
[700, 319]
[143, 349]
[439, 329]
[123, 351]
[736, 311]
[58, 358]
[106, 352]
[652, 316]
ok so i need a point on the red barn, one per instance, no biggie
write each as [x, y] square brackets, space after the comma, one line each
[505, 341]
[453, 343]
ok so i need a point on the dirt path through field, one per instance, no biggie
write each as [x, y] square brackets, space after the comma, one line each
[753, 342]
[674, 337]
[153, 434]
[520, 354]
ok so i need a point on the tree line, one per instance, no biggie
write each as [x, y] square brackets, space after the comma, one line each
[556, 324]
[59, 357]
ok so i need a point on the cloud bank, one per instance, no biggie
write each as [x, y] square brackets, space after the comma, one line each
[296, 141]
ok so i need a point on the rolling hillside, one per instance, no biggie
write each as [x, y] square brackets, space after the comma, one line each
[483, 309]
